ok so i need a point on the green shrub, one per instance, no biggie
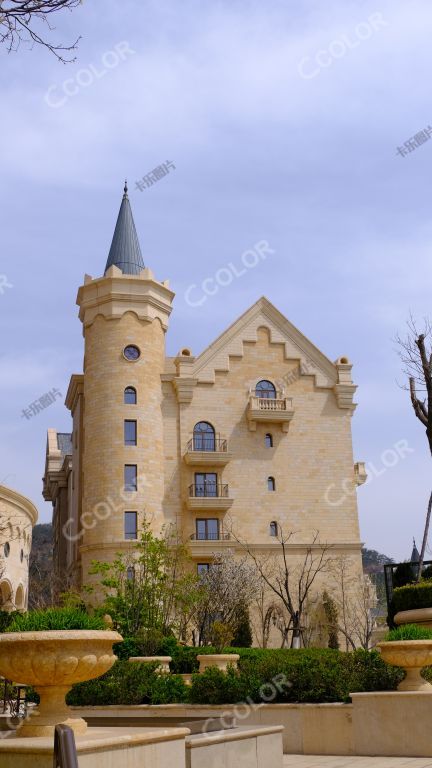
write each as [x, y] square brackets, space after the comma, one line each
[129, 683]
[54, 618]
[409, 632]
[412, 596]
[6, 618]
[302, 676]
[127, 648]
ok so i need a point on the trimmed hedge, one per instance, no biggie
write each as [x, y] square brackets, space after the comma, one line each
[413, 596]
[306, 675]
[127, 683]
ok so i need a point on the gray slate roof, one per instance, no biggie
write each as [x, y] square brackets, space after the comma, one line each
[415, 554]
[64, 442]
[125, 251]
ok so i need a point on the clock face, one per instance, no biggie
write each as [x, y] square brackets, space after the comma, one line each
[131, 352]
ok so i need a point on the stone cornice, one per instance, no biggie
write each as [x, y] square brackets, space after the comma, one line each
[18, 500]
[75, 389]
[244, 329]
[115, 294]
[184, 388]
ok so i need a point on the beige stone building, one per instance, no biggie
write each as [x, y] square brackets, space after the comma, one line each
[252, 433]
[17, 517]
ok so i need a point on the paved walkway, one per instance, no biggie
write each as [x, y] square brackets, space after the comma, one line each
[315, 761]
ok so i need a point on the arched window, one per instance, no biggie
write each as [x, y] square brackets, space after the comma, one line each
[271, 485]
[269, 441]
[204, 437]
[273, 528]
[266, 389]
[130, 396]
[6, 549]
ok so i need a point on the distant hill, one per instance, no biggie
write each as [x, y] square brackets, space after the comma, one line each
[41, 565]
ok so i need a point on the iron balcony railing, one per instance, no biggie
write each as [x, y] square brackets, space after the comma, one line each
[208, 490]
[210, 536]
[207, 443]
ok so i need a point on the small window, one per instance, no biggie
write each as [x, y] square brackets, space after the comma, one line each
[273, 528]
[131, 352]
[130, 525]
[130, 432]
[130, 396]
[22, 555]
[6, 549]
[269, 441]
[265, 389]
[130, 573]
[202, 568]
[271, 485]
[130, 477]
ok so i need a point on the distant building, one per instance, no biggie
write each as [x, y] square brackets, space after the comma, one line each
[256, 428]
[18, 515]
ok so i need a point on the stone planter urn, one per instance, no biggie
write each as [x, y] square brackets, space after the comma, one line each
[52, 662]
[163, 662]
[420, 616]
[219, 660]
[412, 656]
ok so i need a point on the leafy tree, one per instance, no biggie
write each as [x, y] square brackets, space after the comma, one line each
[331, 614]
[149, 590]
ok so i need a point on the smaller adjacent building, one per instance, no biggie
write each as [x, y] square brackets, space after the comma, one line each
[18, 515]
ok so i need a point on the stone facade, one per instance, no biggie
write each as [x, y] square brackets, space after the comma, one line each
[283, 458]
[17, 517]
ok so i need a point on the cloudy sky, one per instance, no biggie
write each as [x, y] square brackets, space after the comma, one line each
[282, 120]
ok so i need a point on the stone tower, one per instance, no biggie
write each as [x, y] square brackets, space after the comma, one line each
[125, 317]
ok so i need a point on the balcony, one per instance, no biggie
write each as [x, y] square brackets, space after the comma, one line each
[207, 451]
[211, 496]
[270, 410]
[202, 549]
[211, 537]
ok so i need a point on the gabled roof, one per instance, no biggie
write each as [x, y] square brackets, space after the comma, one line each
[125, 251]
[244, 329]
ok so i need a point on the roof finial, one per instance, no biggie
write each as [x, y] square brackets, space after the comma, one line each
[125, 190]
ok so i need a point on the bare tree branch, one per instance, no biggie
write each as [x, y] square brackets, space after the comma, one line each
[19, 20]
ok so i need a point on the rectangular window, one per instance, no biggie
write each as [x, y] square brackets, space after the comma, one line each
[130, 432]
[206, 484]
[130, 477]
[130, 525]
[207, 529]
[202, 568]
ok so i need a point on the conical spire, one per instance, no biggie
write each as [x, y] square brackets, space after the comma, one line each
[415, 555]
[125, 251]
